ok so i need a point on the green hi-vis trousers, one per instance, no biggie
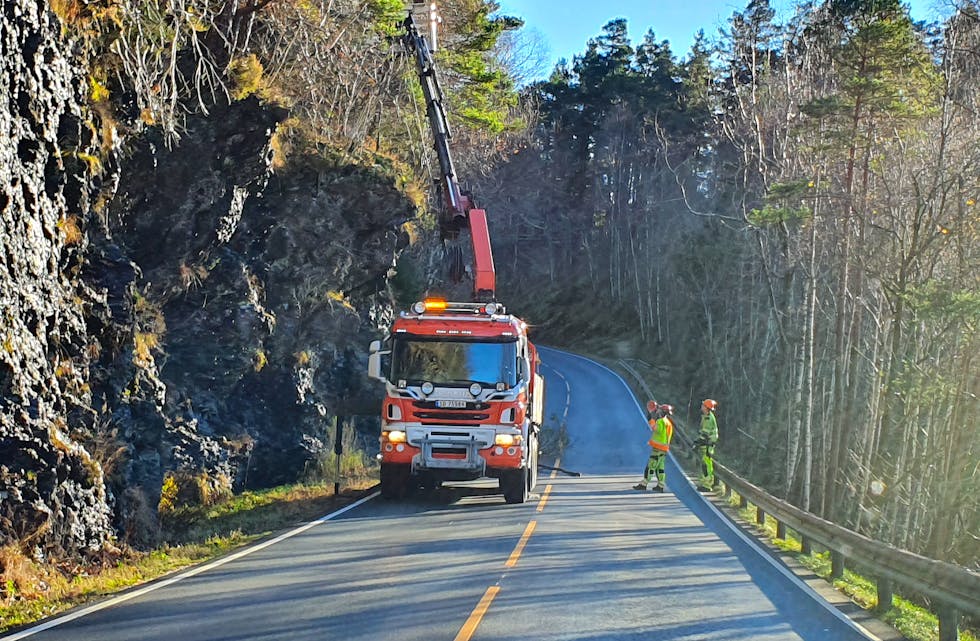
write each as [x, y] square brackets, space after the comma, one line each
[655, 467]
[707, 454]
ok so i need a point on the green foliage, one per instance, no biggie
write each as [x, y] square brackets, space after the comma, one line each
[246, 76]
[939, 300]
[386, 15]
[772, 215]
[259, 360]
[168, 494]
[97, 90]
[353, 464]
[822, 106]
[795, 189]
[481, 94]
[779, 208]
[183, 489]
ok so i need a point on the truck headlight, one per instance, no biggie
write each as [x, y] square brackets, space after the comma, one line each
[507, 440]
[396, 436]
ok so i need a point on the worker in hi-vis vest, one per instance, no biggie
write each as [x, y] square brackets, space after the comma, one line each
[661, 431]
[705, 444]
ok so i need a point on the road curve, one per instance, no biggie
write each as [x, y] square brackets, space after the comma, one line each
[588, 559]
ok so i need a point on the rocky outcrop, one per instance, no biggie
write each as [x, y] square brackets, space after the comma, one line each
[53, 496]
[256, 292]
[204, 318]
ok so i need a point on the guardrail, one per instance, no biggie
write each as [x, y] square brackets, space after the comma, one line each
[955, 589]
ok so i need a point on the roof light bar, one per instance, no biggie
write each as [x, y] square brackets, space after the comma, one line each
[429, 305]
[441, 305]
[435, 305]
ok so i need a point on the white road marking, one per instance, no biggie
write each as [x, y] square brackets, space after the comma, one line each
[786, 571]
[568, 389]
[52, 623]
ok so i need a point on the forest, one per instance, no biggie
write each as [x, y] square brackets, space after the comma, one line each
[785, 219]
[211, 207]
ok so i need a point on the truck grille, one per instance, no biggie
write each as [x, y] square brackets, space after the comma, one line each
[442, 417]
[449, 452]
[470, 405]
[429, 414]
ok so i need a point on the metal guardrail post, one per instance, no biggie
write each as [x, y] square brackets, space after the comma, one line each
[338, 450]
[951, 589]
[949, 623]
[884, 595]
[836, 565]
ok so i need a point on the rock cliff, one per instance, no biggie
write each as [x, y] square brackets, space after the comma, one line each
[169, 309]
[52, 489]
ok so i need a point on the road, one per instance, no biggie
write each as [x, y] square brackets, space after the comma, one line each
[588, 559]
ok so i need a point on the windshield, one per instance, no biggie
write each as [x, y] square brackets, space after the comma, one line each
[461, 363]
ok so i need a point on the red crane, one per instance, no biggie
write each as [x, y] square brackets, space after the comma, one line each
[459, 211]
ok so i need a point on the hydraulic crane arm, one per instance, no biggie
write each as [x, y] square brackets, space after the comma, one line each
[459, 211]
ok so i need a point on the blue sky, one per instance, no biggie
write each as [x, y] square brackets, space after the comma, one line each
[566, 25]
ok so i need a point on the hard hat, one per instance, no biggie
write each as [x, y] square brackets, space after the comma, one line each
[709, 404]
[667, 409]
[651, 406]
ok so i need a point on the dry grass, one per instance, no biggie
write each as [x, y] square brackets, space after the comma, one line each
[33, 591]
[144, 344]
[71, 229]
[30, 591]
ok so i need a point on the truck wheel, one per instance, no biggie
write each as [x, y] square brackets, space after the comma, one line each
[515, 485]
[394, 481]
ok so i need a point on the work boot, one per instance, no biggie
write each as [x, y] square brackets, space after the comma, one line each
[702, 488]
[659, 488]
[640, 486]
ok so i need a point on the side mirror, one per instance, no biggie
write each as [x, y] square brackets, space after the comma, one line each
[376, 364]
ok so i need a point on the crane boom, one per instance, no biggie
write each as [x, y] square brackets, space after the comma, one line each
[464, 396]
[459, 211]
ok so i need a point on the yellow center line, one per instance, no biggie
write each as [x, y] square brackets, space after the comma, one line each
[544, 498]
[473, 622]
[476, 616]
[516, 554]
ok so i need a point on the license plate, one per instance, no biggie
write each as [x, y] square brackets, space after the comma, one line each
[451, 404]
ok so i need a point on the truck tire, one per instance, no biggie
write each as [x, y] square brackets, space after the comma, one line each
[514, 485]
[395, 481]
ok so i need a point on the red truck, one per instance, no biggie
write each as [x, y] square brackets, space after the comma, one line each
[464, 398]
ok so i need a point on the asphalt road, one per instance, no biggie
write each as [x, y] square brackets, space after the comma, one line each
[588, 559]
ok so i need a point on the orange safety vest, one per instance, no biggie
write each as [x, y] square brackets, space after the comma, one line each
[663, 431]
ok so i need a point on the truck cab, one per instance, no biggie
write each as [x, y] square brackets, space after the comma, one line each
[463, 399]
